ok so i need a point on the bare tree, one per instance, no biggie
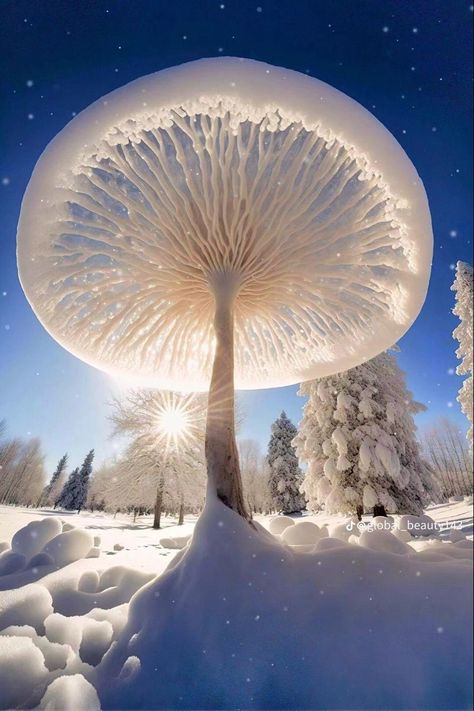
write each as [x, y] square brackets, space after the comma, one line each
[22, 471]
[254, 477]
[447, 451]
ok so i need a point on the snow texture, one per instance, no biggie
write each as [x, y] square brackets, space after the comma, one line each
[238, 607]
[70, 693]
[243, 619]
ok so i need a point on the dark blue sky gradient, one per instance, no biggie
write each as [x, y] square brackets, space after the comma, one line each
[408, 61]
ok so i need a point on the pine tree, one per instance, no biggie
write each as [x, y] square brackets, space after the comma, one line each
[74, 493]
[52, 490]
[83, 481]
[285, 476]
[66, 499]
[358, 438]
[463, 286]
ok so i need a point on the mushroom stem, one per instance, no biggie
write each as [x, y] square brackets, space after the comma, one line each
[222, 457]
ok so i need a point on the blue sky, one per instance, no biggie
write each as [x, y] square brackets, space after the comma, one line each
[407, 61]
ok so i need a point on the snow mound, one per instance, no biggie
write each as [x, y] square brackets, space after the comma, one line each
[55, 655]
[423, 526]
[328, 543]
[32, 538]
[22, 668]
[177, 542]
[117, 616]
[384, 523]
[404, 536]
[455, 535]
[302, 533]
[28, 605]
[109, 589]
[238, 606]
[382, 540]
[278, 524]
[89, 637]
[11, 562]
[40, 559]
[69, 546]
[70, 693]
[343, 531]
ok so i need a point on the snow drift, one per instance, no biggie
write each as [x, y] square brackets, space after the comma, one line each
[255, 624]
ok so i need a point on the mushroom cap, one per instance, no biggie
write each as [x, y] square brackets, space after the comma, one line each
[225, 171]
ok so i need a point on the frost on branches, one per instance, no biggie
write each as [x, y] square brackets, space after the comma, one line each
[358, 439]
[162, 468]
[285, 476]
[463, 286]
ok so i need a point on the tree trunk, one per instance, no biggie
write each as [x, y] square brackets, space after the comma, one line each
[379, 510]
[221, 448]
[158, 504]
[360, 512]
[181, 514]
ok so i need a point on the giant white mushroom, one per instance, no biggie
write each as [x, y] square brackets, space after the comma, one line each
[225, 219]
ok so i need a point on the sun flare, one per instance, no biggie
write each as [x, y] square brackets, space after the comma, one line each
[173, 422]
[177, 419]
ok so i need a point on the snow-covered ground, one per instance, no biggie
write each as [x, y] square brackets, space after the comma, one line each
[323, 615]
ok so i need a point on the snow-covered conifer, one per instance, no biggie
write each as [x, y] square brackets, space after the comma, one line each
[285, 476]
[66, 498]
[358, 439]
[83, 481]
[74, 493]
[463, 286]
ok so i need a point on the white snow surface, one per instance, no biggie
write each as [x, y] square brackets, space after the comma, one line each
[241, 618]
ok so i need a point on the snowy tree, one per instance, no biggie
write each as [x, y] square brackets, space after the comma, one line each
[254, 477]
[52, 490]
[463, 333]
[74, 493]
[167, 438]
[22, 474]
[358, 438]
[66, 498]
[285, 476]
[447, 451]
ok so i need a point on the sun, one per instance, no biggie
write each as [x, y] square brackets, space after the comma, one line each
[177, 420]
[173, 422]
